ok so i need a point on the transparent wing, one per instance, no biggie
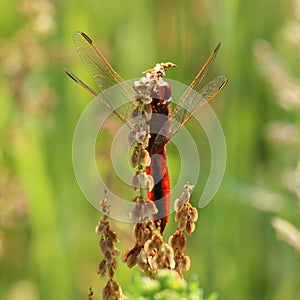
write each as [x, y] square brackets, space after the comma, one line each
[105, 77]
[195, 96]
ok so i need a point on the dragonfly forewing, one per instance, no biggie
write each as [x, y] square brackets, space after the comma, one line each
[194, 99]
[105, 77]
[198, 77]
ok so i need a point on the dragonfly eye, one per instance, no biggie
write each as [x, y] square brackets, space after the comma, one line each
[163, 92]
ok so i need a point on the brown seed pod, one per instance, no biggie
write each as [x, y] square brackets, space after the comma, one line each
[102, 245]
[113, 236]
[134, 160]
[186, 262]
[100, 228]
[190, 227]
[145, 157]
[193, 214]
[102, 268]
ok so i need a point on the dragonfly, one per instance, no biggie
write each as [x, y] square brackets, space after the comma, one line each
[105, 77]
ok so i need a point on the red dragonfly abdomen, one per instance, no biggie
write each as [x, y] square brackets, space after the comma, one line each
[161, 191]
[159, 130]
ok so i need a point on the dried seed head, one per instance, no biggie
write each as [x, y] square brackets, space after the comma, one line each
[178, 240]
[182, 262]
[112, 291]
[157, 239]
[145, 236]
[151, 207]
[143, 232]
[107, 256]
[186, 262]
[142, 260]
[116, 288]
[131, 136]
[125, 255]
[142, 181]
[188, 187]
[145, 157]
[102, 245]
[136, 214]
[135, 182]
[130, 260]
[190, 227]
[172, 241]
[142, 87]
[113, 236]
[116, 252]
[102, 268]
[114, 264]
[142, 137]
[142, 212]
[130, 256]
[151, 263]
[178, 215]
[147, 111]
[145, 181]
[109, 263]
[184, 198]
[104, 206]
[186, 215]
[149, 183]
[169, 257]
[109, 246]
[100, 228]
[111, 272]
[138, 232]
[134, 158]
[193, 214]
[106, 292]
[159, 70]
[182, 224]
[149, 246]
[142, 265]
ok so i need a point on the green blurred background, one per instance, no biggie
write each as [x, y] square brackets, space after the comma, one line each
[48, 247]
